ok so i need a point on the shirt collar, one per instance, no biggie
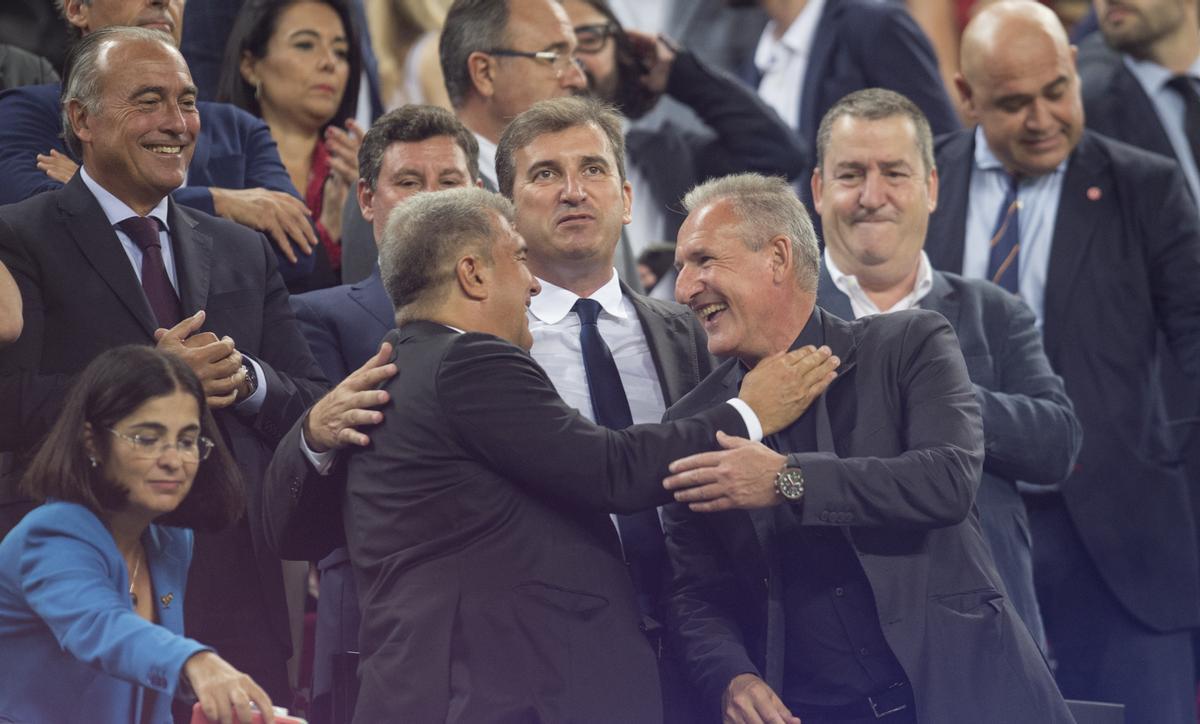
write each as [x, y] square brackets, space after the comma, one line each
[1154, 77]
[921, 288]
[487, 158]
[554, 302]
[116, 210]
[985, 160]
[796, 40]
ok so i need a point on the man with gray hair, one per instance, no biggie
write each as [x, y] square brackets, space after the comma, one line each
[492, 586]
[844, 577]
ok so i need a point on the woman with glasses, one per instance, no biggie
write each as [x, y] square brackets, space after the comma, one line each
[92, 581]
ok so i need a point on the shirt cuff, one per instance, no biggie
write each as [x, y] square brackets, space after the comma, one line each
[754, 429]
[321, 461]
[252, 404]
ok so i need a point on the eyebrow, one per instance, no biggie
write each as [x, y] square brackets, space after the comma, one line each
[598, 160]
[546, 163]
[189, 89]
[158, 427]
[310, 32]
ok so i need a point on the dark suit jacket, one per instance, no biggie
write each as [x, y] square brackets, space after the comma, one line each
[868, 44]
[1030, 431]
[19, 67]
[487, 567]
[1114, 102]
[81, 297]
[1124, 262]
[900, 448]
[345, 324]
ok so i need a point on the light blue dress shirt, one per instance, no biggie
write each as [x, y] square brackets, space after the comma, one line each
[1170, 109]
[1039, 210]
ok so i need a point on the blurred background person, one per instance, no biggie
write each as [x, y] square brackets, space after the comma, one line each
[92, 582]
[296, 64]
[404, 35]
[657, 264]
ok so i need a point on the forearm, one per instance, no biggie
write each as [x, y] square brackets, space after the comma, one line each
[1029, 439]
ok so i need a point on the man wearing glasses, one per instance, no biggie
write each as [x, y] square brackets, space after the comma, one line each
[501, 57]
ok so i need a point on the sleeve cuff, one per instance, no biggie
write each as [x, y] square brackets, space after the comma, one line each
[322, 462]
[252, 404]
[754, 429]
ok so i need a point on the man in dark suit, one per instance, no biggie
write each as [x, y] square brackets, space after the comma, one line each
[491, 581]
[111, 259]
[814, 52]
[235, 171]
[1102, 241]
[875, 186]
[835, 573]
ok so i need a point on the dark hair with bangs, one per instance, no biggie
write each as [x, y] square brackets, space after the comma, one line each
[114, 385]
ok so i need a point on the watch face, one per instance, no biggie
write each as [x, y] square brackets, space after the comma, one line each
[791, 484]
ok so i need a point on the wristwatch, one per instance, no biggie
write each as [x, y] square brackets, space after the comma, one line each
[790, 484]
[251, 382]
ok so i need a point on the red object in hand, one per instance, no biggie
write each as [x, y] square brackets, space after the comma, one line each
[199, 718]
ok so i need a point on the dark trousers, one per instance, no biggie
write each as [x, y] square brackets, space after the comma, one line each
[1103, 653]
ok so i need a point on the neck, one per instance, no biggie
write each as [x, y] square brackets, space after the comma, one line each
[1177, 52]
[127, 531]
[783, 12]
[786, 325]
[296, 144]
[885, 284]
[475, 116]
[580, 279]
[141, 207]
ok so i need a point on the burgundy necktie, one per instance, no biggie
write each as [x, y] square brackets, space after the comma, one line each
[162, 297]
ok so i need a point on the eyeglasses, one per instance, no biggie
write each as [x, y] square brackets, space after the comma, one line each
[592, 38]
[560, 62]
[191, 449]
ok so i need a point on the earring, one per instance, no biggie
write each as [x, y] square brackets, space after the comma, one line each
[258, 90]
[93, 461]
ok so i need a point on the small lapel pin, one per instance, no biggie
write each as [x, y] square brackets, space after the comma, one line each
[1093, 193]
[166, 599]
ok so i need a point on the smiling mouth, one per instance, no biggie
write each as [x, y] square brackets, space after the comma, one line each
[710, 311]
[166, 150]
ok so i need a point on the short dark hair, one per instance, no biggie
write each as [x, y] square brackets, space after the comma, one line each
[115, 384]
[252, 31]
[877, 104]
[412, 124]
[471, 26]
[552, 116]
[426, 235]
[81, 72]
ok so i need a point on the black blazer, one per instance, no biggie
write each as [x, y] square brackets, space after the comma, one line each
[1115, 103]
[1124, 262]
[81, 297]
[487, 567]
[900, 447]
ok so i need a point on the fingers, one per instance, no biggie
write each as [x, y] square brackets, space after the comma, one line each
[692, 462]
[181, 331]
[263, 702]
[294, 219]
[731, 442]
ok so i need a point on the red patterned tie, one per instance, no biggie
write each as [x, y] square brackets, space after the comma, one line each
[159, 292]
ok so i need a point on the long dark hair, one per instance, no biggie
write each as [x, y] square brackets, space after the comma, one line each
[252, 31]
[114, 385]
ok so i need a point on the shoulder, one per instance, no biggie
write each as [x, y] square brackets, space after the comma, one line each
[709, 392]
[1097, 62]
[1144, 174]
[321, 303]
[222, 231]
[61, 520]
[226, 114]
[903, 326]
[658, 307]
[33, 210]
[44, 96]
[950, 146]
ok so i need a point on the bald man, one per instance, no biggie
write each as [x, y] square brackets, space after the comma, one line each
[1102, 240]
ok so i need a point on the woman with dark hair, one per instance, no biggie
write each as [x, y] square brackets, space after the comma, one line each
[92, 581]
[296, 64]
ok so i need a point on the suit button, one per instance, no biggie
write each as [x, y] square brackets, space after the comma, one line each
[766, 583]
[824, 516]
[839, 591]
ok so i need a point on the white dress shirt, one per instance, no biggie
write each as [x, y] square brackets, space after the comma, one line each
[863, 305]
[784, 61]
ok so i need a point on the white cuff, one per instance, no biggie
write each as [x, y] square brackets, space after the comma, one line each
[754, 429]
[321, 461]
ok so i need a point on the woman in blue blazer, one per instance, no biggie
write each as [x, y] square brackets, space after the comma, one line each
[92, 582]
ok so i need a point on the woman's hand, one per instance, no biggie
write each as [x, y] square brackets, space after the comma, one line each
[57, 166]
[224, 692]
[343, 148]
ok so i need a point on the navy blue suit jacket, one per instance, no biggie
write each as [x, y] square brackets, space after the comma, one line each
[345, 324]
[868, 44]
[1115, 103]
[1030, 431]
[234, 151]
[1124, 262]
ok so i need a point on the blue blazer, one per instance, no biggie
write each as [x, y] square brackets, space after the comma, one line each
[1029, 427]
[1124, 260]
[234, 151]
[74, 649]
[345, 324]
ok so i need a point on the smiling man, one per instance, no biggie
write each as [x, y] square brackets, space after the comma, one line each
[1102, 241]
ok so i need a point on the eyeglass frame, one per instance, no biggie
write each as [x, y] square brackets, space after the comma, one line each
[551, 56]
[204, 446]
[605, 30]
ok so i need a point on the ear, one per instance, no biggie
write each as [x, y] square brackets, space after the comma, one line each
[482, 70]
[627, 197]
[965, 96]
[89, 441]
[78, 13]
[473, 276]
[78, 116]
[933, 190]
[365, 197]
[781, 258]
[817, 184]
[248, 68]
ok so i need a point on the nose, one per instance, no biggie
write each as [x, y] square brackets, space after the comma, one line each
[687, 285]
[535, 287]
[573, 76]
[573, 191]
[173, 120]
[169, 456]
[872, 194]
[1038, 118]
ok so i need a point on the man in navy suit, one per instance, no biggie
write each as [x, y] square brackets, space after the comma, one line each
[1102, 241]
[814, 52]
[235, 172]
[874, 187]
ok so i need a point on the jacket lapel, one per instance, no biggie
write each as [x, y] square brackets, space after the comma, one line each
[840, 340]
[948, 226]
[91, 232]
[371, 296]
[671, 347]
[193, 259]
[830, 298]
[942, 299]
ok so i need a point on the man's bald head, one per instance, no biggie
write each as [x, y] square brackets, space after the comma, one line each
[1018, 82]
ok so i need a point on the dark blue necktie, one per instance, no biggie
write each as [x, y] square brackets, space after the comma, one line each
[1186, 88]
[1004, 258]
[641, 533]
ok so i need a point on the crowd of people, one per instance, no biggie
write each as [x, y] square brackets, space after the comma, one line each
[601, 361]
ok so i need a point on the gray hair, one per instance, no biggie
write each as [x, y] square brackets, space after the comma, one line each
[82, 72]
[471, 26]
[877, 104]
[766, 207]
[553, 116]
[427, 235]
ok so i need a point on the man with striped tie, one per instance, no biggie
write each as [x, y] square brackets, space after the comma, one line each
[1102, 241]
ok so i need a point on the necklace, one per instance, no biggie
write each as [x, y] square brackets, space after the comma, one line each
[137, 565]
